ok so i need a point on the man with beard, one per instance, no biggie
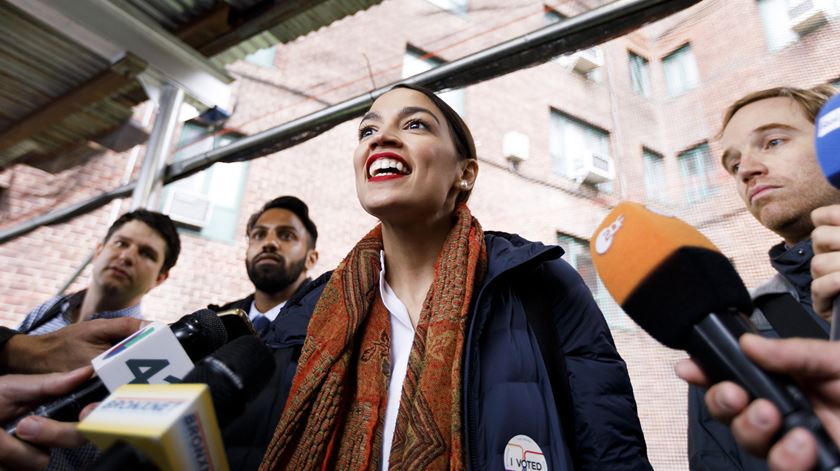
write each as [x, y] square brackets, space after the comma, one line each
[281, 248]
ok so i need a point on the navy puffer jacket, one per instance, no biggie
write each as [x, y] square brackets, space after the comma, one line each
[506, 389]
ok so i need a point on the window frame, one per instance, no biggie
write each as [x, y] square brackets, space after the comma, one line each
[697, 193]
[226, 234]
[681, 64]
[642, 87]
[585, 129]
[647, 155]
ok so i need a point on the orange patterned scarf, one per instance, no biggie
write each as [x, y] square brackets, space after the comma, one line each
[336, 409]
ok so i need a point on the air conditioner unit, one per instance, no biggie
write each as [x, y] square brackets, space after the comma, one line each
[187, 208]
[587, 60]
[515, 146]
[806, 15]
[593, 169]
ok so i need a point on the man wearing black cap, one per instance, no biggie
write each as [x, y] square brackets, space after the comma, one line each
[281, 249]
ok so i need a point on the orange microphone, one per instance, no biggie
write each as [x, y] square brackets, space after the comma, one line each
[683, 291]
[664, 273]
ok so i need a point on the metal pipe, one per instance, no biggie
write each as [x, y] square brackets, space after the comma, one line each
[158, 150]
[69, 281]
[579, 32]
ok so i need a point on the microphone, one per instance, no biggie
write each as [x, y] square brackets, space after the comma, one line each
[828, 140]
[235, 374]
[686, 294]
[177, 426]
[828, 154]
[150, 355]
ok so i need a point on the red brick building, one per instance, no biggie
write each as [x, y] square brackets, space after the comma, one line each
[650, 103]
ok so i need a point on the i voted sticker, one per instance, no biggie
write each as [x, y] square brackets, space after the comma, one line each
[523, 454]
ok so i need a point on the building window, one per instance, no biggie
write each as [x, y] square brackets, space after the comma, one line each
[783, 18]
[263, 57]
[578, 256]
[655, 182]
[207, 202]
[696, 168]
[639, 74]
[777, 30]
[680, 71]
[455, 6]
[575, 145]
[417, 61]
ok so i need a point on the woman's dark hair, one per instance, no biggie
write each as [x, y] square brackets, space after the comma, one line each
[463, 139]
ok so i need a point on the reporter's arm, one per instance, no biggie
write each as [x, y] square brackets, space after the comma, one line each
[18, 393]
[37, 435]
[65, 349]
[813, 363]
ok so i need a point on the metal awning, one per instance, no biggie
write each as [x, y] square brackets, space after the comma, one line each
[586, 30]
[61, 87]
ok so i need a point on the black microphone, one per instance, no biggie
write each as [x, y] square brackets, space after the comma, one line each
[199, 333]
[234, 374]
[686, 294]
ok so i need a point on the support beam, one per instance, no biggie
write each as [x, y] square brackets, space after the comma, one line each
[119, 75]
[149, 182]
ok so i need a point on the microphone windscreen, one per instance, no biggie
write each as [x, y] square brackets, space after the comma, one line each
[828, 140]
[235, 374]
[200, 333]
[664, 273]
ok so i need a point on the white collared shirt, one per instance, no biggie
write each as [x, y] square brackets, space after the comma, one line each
[402, 338]
[271, 314]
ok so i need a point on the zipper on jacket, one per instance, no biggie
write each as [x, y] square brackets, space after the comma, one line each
[469, 409]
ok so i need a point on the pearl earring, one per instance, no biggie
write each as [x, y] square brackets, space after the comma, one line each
[464, 184]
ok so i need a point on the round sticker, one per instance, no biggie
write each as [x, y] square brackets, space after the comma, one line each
[523, 454]
[605, 237]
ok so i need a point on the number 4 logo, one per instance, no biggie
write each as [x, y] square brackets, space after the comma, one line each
[146, 369]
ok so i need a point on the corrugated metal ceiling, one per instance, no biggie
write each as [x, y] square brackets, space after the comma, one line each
[40, 67]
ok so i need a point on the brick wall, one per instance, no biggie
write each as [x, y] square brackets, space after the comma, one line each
[352, 55]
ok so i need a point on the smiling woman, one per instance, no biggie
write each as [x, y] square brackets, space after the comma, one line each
[420, 353]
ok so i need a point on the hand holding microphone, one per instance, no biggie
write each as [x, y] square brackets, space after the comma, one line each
[151, 355]
[65, 349]
[755, 425]
[175, 426]
[678, 287]
[825, 266]
[19, 393]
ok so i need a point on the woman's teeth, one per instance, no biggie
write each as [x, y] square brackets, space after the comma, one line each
[387, 167]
